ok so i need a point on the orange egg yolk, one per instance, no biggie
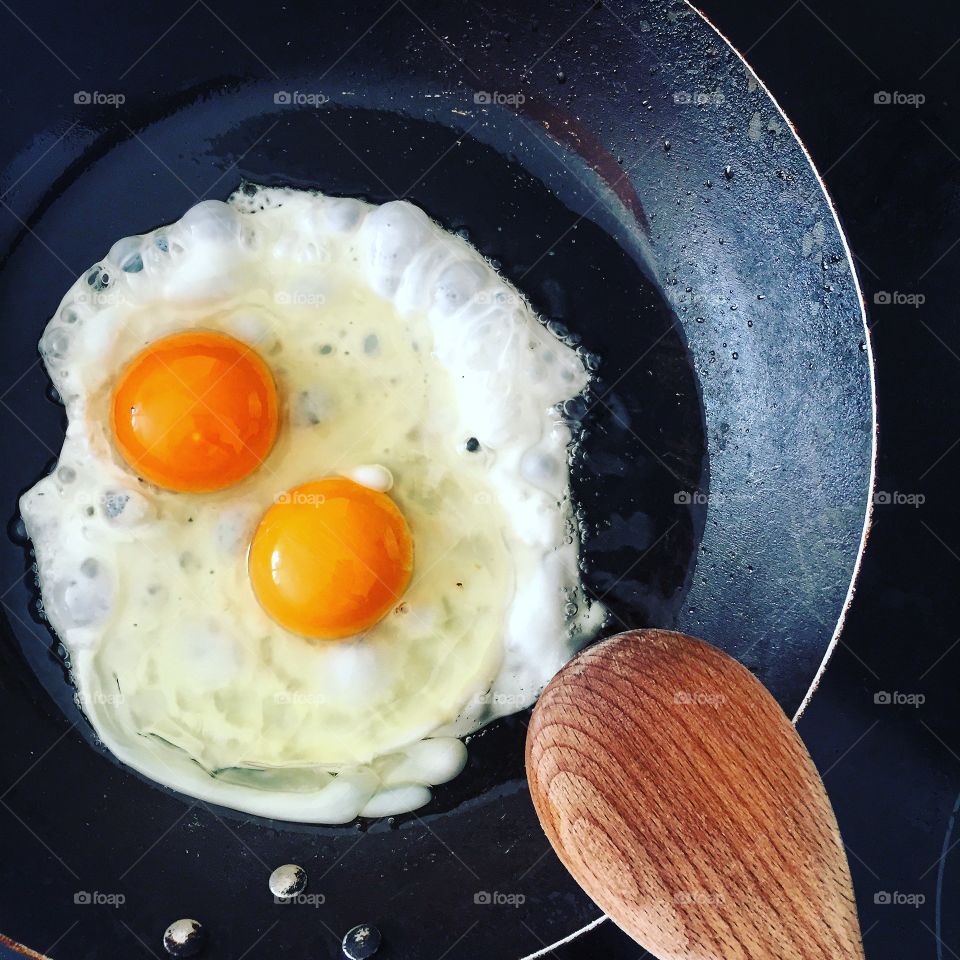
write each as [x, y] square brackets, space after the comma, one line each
[330, 558]
[195, 411]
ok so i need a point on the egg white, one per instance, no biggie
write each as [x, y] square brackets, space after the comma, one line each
[393, 342]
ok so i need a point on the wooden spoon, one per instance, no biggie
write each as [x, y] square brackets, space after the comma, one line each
[679, 796]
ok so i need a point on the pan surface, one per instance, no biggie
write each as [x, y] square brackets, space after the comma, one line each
[631, 176]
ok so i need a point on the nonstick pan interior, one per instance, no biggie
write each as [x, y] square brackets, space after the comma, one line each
[644, 193]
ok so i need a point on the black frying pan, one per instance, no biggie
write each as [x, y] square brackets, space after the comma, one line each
[628, 173]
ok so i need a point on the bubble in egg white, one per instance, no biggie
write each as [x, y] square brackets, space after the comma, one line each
[541, 469]
[210, 232]
[248, 326]
[85, 599]
[212, 221]
[372, 475]
[125, 507]
[415, 290]
[343, 214]
[297, 248]
[155, 253]
[55, 345]
[458, 284]
[392, 234]
[193, 279]
[125, 255]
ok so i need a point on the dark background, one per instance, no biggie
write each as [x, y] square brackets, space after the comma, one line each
[892, 769]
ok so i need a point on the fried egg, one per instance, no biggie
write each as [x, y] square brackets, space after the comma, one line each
[311, 522]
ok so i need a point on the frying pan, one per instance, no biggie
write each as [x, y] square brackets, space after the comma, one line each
[628, 172]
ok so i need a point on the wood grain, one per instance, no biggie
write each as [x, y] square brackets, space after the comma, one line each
[681, 799]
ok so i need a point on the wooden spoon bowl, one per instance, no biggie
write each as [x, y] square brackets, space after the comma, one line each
[679, 796]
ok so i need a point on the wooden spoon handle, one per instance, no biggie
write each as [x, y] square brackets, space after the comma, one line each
[680, 797]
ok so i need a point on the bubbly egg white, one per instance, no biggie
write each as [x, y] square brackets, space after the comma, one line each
[393, 343]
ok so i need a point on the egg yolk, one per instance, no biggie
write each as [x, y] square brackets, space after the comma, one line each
[195, 411]
[330, 558]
